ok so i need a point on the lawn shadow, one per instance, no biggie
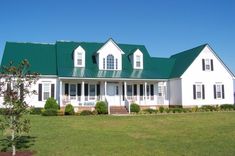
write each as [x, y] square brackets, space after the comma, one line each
[22, 142]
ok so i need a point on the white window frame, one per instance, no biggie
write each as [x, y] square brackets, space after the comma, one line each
[138, 61]
[198, 91]
[79, 59]
[218, 90]
[43, 90]
[110, 63]
[207, 64]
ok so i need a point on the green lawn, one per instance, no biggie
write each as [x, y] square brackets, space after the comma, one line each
[172, 134]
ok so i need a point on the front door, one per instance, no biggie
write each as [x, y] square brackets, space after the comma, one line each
[113, 94]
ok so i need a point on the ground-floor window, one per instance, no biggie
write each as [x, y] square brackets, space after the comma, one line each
[219, 91]
[72, 91]
[198, 91]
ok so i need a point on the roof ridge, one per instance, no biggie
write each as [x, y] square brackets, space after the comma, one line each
[42, 43]
[188, 50]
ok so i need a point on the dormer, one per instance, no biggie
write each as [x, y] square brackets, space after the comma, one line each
[109, 56]
[79, 57]
[137, 59]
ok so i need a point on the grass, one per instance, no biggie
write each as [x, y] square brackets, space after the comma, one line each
[211, 133]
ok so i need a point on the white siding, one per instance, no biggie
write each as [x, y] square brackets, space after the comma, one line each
[195, 74]
[175, 92]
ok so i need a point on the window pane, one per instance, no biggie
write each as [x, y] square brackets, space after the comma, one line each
[45, 95]
[92, 90]
[110, 62]
[129, 90]
[218, 91]
[46, 91]
[72, 90]
[199, 91]
[207, 63]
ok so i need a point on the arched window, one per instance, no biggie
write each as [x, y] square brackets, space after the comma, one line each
[110, 62]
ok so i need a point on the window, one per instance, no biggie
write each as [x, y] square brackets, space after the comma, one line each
[92, 91]
[141, 91]
[219, 91]
[138, 63]
[110, 62]
[129, 90]
[103, 63]
[79, 59]
[198, 91]
[207, 65]
[160, 90]
[46, 91]
[72, 91]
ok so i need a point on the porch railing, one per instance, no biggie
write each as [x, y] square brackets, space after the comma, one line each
[128, 105]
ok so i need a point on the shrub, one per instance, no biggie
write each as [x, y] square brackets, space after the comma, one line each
[161, 109]
[177, 110]
[49, 112]
[35, 111]
[227, 107]
[207, 108]
[135, 108]
[86, 112]
[69, 110]
[51, 104]
[168, 110]
[150, 111]
[101, 107]
[2, 111]
[60, 112]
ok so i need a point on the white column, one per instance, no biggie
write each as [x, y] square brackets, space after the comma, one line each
[82, 93]
[61, 94]
[125, 95]
[105, 88]
[145, 92]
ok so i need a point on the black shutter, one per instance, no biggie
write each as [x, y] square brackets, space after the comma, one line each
[98, 89]
[86, 89]
[151, 90]
[39, 92]
[141, 90]
[123, 92]
[223, 92]
[194, 91]
[214, 91]
[79, 93]
[52, 90]
[212, 66]
[135, 89]
[66, 89]
[203, 91]
[203, 64]
[22, 92]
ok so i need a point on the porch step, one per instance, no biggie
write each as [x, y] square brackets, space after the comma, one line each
[118, 110]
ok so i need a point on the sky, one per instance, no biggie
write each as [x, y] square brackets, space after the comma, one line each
[165, 27]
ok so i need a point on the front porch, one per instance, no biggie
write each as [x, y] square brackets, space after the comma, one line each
[85, 93]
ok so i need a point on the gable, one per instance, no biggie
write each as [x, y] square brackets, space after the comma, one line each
[196, 68]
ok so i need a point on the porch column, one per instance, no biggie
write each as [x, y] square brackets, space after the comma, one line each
[61, 94]
[82, 94]
[125, 96]
[105, 88]
[145, 92]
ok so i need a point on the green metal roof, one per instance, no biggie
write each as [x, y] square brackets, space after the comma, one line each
[57, 59]
[42, 57]
[184, 59]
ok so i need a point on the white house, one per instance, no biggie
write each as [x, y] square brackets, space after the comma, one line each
[82, 73]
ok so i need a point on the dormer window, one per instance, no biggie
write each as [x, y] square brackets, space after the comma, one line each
[137, 61]
[110, 62]
[79, 57]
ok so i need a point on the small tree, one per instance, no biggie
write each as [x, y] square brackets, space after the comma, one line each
[15, 84]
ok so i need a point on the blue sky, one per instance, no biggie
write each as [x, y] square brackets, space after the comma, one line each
[165, 27]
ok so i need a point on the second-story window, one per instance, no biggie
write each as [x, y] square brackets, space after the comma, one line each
[79, 59]
[110, 62]
[138, 62]
[207, 65]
